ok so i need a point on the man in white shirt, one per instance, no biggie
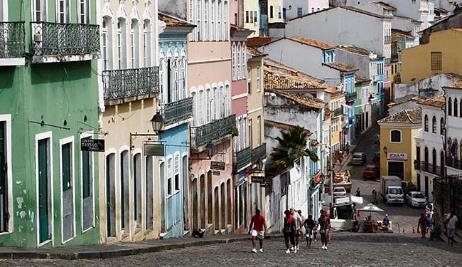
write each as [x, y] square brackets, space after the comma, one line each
[452, 221]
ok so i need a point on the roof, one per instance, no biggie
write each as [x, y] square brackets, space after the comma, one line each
[407, 116]
[456, 85]
[275, 79]
[355, 49]
[310, 42]
[400, 33]
[331, 90]
[171, 21]
[299, 98]
[277, 65]
[354, 9]
[340, 67]
[359, 79]
[386, 6]
[283, 126]
[406, 99]
[437, 101]
[258, 41]
[255, 52]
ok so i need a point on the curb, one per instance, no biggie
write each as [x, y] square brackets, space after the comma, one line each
[120, 252]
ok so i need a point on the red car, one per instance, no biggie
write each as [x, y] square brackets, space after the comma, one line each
[370, 172]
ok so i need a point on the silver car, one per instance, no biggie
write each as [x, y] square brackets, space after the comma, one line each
[359, 158]
[416, 199]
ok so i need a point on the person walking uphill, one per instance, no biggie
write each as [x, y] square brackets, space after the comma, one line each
[298, 228]
[289, 231]
[323, 229]
[451, 225]
[422, 224]
[309, 227]
[257, 228]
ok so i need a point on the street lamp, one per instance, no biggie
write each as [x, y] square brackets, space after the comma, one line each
[157, 122]
[385, 150]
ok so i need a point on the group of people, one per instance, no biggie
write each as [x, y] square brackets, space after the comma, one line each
[295, 226]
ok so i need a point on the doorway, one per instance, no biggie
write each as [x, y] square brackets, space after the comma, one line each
[44, 190]
[149, 193]
[110, 196]
[67, 185]
[396, 168]
[124, 190]
[137, 189]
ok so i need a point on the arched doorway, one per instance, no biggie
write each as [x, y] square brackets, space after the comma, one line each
[202, 201]
[209, 198]
[217, 209]
[222, 205]
[195, 205]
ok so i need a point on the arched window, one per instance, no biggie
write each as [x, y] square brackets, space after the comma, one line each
[106, 39]
[450, 107]
[434, 124]
[206, 20]
[134, 43]
[442, 162]
[395, 136]
[426, 158]
[434, 161]
[426, 123]
[147, 43]
[442, 126]
[455, 107]
[121, 44]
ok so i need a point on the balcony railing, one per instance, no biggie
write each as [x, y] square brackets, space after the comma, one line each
[243, 158]
[11, 39]
[454, 163]
[178, 111]
[350, 97]
[64, 39]
[212, 131]
[128, 84]
[259, 153]
[428, 167]
[338, 112]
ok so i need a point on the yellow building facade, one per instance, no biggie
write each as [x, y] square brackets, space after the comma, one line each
[442, 54]
[397, 144]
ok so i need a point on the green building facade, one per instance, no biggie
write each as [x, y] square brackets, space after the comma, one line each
[48, 104]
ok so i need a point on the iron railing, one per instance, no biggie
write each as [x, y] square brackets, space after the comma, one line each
[11, 39]
[125, 84]
[178, 111]
[454, 163]
[243, 158]
[259, 153]
[212, 131]
[338, 111]
[64, 39]
[350, 97]
[428, 167]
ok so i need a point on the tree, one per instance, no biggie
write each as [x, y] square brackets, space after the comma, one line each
[292, 146]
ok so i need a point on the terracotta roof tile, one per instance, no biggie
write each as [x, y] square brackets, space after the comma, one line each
[301, 99]
[255, 52]
[354, 49]
[407, 116]
[283, 126]
[275, 79]
[310, 42]
[340, 67]
[359, 79]
[456, 85]
[258, 41]
[276, 65]
[399, 33]
[437, 101]
[171, 21]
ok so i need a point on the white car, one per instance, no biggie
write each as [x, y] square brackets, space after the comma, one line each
[340, 191]
[416, 199]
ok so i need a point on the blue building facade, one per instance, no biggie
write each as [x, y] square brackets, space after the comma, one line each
[176, 108]
[350, 99]
[379, 80]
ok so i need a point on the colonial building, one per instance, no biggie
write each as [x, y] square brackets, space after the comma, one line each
[129, 88]
[48, 106]
[209, 83]
[453, 96]
[298, 8]
[429, 162]
[397, 144]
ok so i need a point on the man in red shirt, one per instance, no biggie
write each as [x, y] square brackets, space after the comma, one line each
[257, 228]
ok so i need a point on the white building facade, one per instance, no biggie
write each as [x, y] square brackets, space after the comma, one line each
[453, 95]
[297, 8]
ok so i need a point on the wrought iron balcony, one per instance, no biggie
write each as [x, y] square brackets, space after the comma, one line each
[11, 39]
[130, 84]
[213, 131]
[454, 163]
[178, 111]
[350, 97]
[338, 111]
[428, 167]
[259, 153]
[243, 158]
[64, 39]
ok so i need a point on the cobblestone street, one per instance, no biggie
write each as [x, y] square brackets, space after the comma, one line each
[346, 249]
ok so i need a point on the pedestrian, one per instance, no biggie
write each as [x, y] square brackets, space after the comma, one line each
[422, 224]
[386, 222]
[315, 230]
[298, 228]
[451, 225]
[257, 228]
[358, 192]
[323, 229]
[374, 196]
[309, 229]
[289, 231]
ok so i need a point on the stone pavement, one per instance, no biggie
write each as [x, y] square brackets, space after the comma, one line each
[346, 249]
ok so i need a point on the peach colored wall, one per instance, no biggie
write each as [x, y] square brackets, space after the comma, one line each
[233, 9]
[239, 106]
[239, 87]
[203, 51]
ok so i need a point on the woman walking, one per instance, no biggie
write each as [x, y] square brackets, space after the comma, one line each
[289, 232]
[323, 229]
[309, 226]
[422, 224]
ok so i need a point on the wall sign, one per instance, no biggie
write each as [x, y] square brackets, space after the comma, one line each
[154, 150]
[397, 156]
[258, 179]
[88, 144]
[217, 165]
[216, 173]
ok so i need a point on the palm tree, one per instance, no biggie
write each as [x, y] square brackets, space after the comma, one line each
[292, 146]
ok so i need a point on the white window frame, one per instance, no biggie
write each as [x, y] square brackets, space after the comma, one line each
[400, 136]
[258, 79]
[65, 141]
[234, 61]
[213, 12]
[67, 9]
[38, 137]
[86, 10]
[225, 22]
[121, 43]
[147, 43]
[177, 170]
[198, 21]
[4, 10]
[169, 163]
[43, 11]
[243, 60]
[238, 61]
[134, 43]
[92, 173]
[206, 20]
[219, 18]
[6, 118]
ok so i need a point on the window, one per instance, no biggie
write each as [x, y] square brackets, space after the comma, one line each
[234, 61]
[5, 175]
[251, 17]
[255, 16]
[259, 128]
[450, 106]
[206, 20]
[247, 17]
[198, 17]
[63, 11]
[249, 81]
[213, 14]
[177, 173]
[121, 44]
[299, 12]
[40, 10]
[258, 79]
[460, 109]
[84, 11]
[219, 18]
[436, 61]
[426, 123]
[442, 126]
[455, 107]
[250, 133]
[147, 43]
[169, 178]
[106, 40]
[271, 12]
[395, 136]
[243, 53]
[434, 124]
[225, 21]
[66, 165]
[134, 37]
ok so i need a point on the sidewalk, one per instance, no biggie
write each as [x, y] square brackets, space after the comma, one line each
[119, 249]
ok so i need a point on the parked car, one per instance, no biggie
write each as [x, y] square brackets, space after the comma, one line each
[370, 172]
[416, 199]
[340, 191]
[359, 158]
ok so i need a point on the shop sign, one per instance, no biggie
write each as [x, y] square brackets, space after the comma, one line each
[397, 156]
[157, 150]
[217, 165]
[88, 144]
[258, 179]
